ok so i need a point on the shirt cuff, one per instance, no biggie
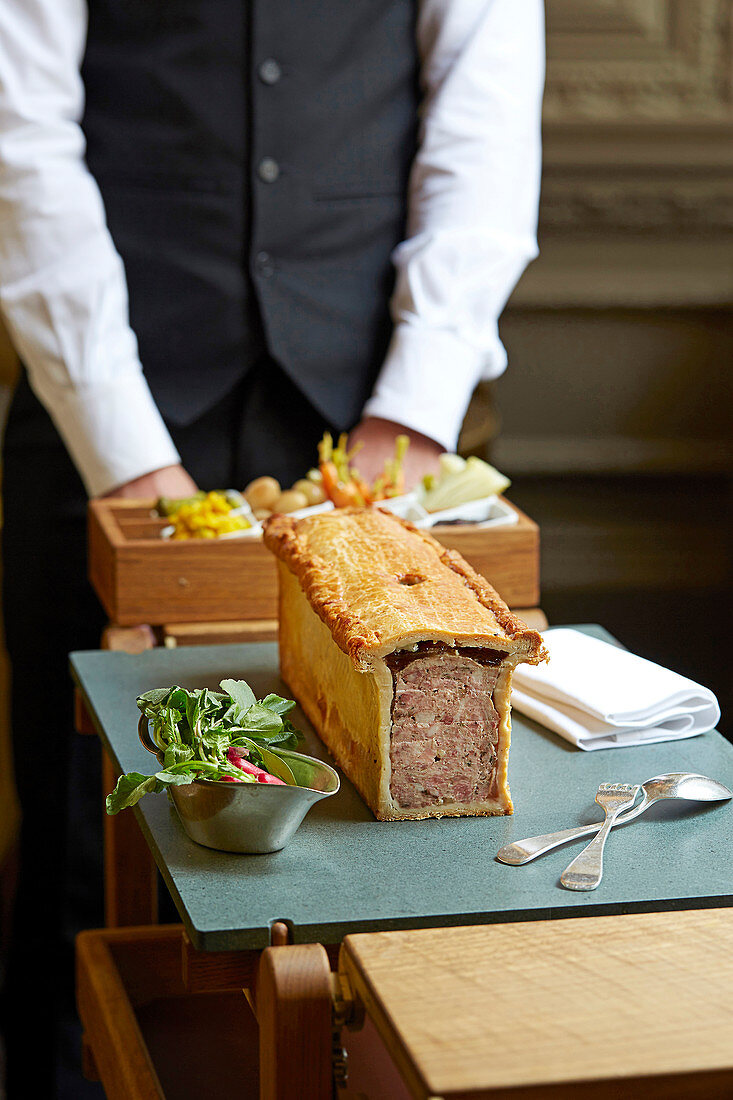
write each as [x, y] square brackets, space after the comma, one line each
[113, 431]
[427, 381]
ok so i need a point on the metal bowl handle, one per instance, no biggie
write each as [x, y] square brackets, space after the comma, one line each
[143, 730]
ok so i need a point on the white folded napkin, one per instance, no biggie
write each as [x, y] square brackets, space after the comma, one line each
[599, 696]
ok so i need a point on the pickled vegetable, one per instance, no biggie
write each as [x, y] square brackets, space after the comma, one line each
[312, 490]
[459, 481]
[290, 501]
[168, 506]
[342, 482]
[262, 492]
[207, 518]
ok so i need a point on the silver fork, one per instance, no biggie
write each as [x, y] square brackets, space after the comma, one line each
[586, 870]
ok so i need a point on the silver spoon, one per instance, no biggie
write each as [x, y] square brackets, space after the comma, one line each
[688, 785]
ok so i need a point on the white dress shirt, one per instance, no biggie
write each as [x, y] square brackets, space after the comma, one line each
[472, 210]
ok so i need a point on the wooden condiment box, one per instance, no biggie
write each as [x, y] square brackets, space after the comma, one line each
[142, 578]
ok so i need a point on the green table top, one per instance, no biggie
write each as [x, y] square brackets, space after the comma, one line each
[346, 872]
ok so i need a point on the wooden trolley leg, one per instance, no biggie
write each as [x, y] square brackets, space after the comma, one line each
[130, 879]
[294, 1011]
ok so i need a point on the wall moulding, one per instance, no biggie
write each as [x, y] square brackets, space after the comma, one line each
[609, 269]
[641, 205]
[616, 60]
[639, 147]
[638, 117]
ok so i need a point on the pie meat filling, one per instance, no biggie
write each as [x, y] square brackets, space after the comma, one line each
[445, 727]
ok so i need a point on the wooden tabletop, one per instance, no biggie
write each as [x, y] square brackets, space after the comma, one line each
[632, 1005]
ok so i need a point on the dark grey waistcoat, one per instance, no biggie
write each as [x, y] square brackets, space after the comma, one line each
[253, 159]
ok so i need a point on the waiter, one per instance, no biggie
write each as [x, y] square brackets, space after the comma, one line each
[226, 225]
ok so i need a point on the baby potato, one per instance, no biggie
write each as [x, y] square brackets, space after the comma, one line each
[290, 501]
[262, 492]
[261, 513]
[311, 490]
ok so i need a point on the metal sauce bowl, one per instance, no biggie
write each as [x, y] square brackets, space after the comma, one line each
[248, 817]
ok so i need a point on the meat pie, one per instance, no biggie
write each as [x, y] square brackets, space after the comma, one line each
[401, 655]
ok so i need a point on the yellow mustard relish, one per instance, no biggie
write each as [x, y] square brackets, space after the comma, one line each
[207, 519]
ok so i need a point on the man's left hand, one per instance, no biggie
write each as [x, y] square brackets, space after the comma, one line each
[378, 436]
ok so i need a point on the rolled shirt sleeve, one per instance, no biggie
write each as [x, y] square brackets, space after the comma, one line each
[62, 284]
[472, 209]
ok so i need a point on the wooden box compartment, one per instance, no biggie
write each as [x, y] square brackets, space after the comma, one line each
[141, 578]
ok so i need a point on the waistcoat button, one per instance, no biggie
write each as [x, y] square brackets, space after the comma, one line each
[269, 71]
[268, 170]
[264, 265]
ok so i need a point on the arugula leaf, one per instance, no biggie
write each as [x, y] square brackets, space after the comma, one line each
[278, 704]
[241, 695]
[277, 766]
[153, 697]
[208, 703]
[217, 697]
[289, 737]
[192, 711]
[178, 698]
[175, 777]
[261, 718]
[176, 753]
[129, 790]
[131, 787]
[195, 711]
[165, 725]
[217, 740]
[292, 741]
[286, 738]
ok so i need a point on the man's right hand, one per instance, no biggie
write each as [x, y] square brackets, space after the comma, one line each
[170, 481]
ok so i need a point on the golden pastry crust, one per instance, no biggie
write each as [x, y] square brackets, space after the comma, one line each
[379, 583]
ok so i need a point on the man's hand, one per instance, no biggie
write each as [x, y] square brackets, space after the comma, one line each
[169, 481]
[377, 437]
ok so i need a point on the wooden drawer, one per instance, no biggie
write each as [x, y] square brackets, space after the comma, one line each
[141, 578]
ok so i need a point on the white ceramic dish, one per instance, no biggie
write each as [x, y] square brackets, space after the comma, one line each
[491, 511]
[313, 509]
[406, 507]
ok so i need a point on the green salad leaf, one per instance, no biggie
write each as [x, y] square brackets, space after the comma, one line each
[274, 763]
[270, 760]
[278, 704]
[131, 787]
[241, 695]
[176, 753]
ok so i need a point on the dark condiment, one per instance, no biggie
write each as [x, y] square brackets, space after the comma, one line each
[458, 522]
[402, 657]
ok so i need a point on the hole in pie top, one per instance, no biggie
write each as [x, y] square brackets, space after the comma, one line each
[410, 579]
